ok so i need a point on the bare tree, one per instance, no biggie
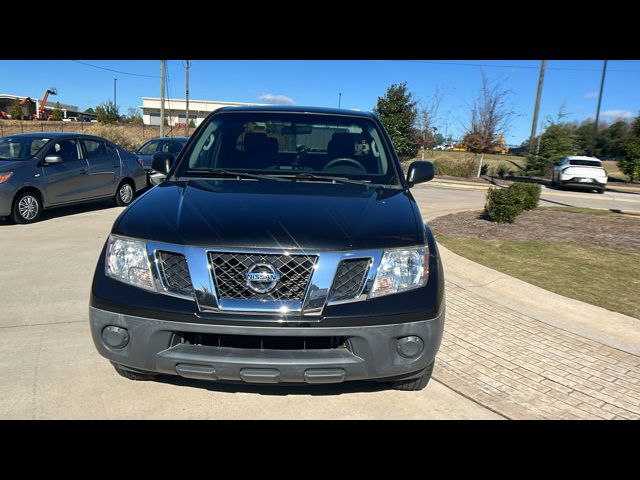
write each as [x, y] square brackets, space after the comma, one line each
[427, 117]
[491, 113]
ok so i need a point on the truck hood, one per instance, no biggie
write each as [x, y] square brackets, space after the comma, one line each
[269, 214]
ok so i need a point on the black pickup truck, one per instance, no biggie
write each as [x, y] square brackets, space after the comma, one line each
[283, 246]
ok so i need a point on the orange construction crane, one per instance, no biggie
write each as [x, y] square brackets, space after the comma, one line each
[43, 102]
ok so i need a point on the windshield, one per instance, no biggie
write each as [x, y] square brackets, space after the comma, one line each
[149, 147]
[307, 146]
[20, 148]
[170, 146]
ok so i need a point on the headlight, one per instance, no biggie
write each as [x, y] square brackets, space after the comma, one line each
[5, 176]
[127, 262]
[401, 270]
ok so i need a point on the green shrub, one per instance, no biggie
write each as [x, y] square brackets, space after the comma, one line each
[502, 205]
[484, 169]
[503, 170]
[456, 168]
[528, 194]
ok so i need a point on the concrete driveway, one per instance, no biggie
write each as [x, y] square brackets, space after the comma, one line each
[49, 368]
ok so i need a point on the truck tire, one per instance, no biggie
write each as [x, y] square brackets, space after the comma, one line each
[131, 375]
[415, 384]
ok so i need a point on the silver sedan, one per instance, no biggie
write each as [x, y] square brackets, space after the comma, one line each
[45, 170]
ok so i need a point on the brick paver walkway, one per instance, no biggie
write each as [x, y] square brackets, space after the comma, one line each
[525, 369]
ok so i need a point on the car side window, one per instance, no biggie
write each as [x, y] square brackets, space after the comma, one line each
[94, 148]
[67, 149]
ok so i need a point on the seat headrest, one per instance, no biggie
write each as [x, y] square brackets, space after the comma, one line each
[254, 141]
[341, 145]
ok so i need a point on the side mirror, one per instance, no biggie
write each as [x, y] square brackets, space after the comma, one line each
[157, 178]
[52, 159]
[420, 172]
[162, 162]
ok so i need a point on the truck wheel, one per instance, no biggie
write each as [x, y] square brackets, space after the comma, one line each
[131, 375]
[125, 193]
[414, 384]
[26, 207]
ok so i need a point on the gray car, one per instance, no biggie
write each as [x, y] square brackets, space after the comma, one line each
[171, 145]
[44, 170]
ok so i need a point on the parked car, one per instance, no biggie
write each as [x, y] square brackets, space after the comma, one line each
[581, 172]
[44, 170]
[275, 251]
[444, 146]
[171, 145]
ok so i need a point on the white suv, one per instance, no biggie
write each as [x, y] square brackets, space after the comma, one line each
[576, 171]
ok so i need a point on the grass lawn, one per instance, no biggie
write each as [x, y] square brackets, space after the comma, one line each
[512, 161]
[600, 276]
[611, 166]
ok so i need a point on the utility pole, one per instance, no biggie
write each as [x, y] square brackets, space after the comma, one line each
[187, 96]
[534, 126]
[339, 99]
[595, 127]
[115, 102]
[162, 98]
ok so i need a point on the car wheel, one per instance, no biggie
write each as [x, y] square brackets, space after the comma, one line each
[124, 195]
[131, 375]
[600, 190]
[26, 207]
[414, 384]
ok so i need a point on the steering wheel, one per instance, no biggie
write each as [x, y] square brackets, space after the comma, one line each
[350, 161]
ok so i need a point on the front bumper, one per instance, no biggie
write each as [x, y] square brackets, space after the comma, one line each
[371, 353]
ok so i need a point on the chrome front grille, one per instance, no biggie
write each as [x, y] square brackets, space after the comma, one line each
[174, 273]
[349, 278]
[229, 269]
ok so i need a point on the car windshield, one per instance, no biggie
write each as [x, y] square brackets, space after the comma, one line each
[20, 148]
[149, 147]
[170, 146]
[585, 163]
[309, 147]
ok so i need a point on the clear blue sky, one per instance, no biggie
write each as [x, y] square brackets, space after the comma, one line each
[317, 83]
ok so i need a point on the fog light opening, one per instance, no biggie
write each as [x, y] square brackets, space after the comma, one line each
[410, 347]
[115, 337]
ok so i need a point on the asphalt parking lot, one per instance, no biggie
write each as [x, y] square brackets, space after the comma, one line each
[49, 368]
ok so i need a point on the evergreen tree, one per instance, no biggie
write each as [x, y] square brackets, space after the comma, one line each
[398, 113]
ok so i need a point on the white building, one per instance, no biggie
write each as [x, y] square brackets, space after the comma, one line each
[175, 110]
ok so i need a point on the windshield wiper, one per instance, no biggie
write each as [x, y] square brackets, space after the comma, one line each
[216, 172]
[311, 176]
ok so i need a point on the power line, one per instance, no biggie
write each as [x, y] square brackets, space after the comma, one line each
[116, 71]
[527, 67]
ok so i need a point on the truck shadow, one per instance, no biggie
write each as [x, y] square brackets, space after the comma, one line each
[360, 386]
